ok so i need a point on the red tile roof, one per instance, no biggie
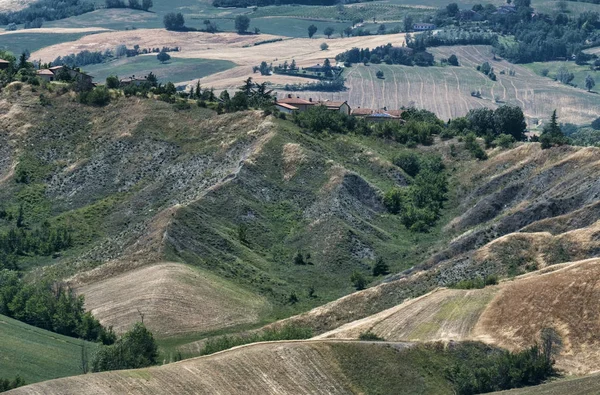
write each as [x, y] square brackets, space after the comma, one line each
[295, 100]
[362, 111]
[288, 106]
[44, 72]
[332, 104]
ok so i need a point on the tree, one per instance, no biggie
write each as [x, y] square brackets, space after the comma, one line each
[596, 124]
[408, 23]
[563, 75]
[147, 4]
[379, 74]
[510, 120]
[358, 280]
[112, 82]
[135, 4]
[481, 121]
[293, 65]
[348, 31]
[381, 29]
[381, 268]
[312, 29]
[408, 161]
[589, 82]
[453, 60]
[174, 22]
[136, 349]
[552, 134]
[242, 23]
[452, 9]
[264, 68]
[299, 259]
[328, 31]
[163, 57]
[324, 47]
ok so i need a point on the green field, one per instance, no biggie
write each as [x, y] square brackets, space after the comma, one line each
[175, 70]
[19, 42]
[580, 72]
[36, 354]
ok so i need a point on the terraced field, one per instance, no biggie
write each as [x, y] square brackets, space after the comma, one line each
[24, 349]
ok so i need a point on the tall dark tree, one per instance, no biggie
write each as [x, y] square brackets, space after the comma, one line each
[312, 29]
[242, 24]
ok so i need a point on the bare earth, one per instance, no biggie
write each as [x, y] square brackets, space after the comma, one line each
[275, 368]
[173, 298]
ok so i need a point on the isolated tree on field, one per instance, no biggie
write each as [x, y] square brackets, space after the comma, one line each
[381, 268]
[147, 4]
[242, 23]
[379, 74]
[348, 31]
[312, 29]
[324, 47]
[163, 57]
[174, 21]
[563, 75]
[299, 259]
[589, 82]
[328, 31]
[264, 68]
[453, 60]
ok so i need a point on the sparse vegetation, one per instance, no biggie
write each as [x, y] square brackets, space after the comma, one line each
[287, 332]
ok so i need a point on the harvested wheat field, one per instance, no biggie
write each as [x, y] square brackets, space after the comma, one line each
[263, 368]
[565, 297]
[173, 298]
[13, 5]
[446, 91]
[444, 314]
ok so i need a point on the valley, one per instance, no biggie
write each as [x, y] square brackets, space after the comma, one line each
[242, 197]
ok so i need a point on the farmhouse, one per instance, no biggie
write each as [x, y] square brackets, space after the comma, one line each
[340, 106]
[292, 104]
[378, 115]
[133, 80]
[52, 74]
[4, 64]
[286, 108]
[423, 26]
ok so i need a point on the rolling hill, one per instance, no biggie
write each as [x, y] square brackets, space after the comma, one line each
[36, 354]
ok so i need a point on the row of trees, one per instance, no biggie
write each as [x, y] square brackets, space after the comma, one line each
[144, 5]
[387, 54]
[47, 10]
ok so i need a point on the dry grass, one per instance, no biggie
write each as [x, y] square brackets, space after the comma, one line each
[174, 299]
[265, 368]
[293, 157]
[54, 30]
[444, 314]
[565, 299]
[13, 5]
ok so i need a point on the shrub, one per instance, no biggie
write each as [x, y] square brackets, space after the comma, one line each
[324, 46]
[370, 336]
[99, 96]
[136, 349]
[408, 161]
[381, 268]
[358, 280]
[504, 141]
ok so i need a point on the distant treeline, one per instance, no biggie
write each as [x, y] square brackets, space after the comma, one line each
[422, 41]
[336, 85]
[86, 57]
[262, 3]
[47, 10]
[387, 54]
[144, 5]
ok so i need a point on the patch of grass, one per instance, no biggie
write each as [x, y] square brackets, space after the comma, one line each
[175, 70]
[36, 354]
[19, 42]
[579, 71]
[288, 332]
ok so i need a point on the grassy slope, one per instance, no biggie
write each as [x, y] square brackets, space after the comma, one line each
[176, 69]
[17, 43]
[36, 354]
[580, 72]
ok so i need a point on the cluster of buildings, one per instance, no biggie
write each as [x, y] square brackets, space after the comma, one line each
[291, 104]
[52, 73]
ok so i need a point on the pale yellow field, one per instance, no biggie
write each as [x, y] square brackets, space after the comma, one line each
[13, 5]
[278, 368]
[173, 299]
